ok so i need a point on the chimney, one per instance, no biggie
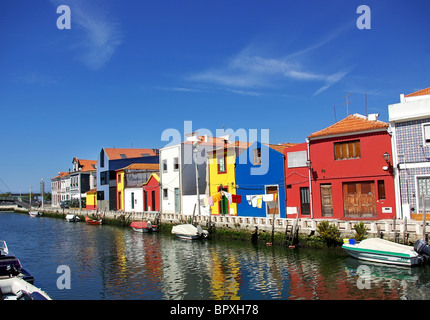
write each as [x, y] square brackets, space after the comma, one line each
[373, 116]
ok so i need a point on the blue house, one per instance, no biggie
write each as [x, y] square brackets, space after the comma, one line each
[260, 172]
[111, 159]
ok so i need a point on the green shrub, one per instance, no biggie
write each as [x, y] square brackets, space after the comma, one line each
[361, 231]
[329, 233]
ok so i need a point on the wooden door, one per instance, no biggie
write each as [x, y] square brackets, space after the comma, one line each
[223, 203]
[359, 199]
[273, 190]
[326, 200]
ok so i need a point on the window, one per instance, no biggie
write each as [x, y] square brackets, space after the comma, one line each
[221, 164]
[347, 150]
[165, 194]
[176, 164]
[165, 165]
[104, 177]
[297, 159]
[423, 184]
[257, 156]
[102, 158]
[426, 133]
[119, 178]
[381, 190]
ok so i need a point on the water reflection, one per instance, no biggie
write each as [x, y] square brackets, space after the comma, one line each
[118, 263]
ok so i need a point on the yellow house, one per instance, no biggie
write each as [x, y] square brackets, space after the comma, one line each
[222, 176]
[120, 190]
[91, 202]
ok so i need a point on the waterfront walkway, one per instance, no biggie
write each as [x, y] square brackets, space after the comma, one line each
[411, 230]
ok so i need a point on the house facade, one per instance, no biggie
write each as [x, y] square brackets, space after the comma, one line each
[151, 193]
[111, 159]
[297, 181]
[59, 187]
[132, 177]
[222, 176]
[350, 179]
[342, 172]
[83, 178]
[178, 167]
[410, 125]
[261, 175]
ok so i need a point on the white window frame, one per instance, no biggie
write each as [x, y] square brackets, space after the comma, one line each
[424, 125]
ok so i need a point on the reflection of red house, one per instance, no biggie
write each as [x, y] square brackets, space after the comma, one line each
[349, 177]
[151, 193]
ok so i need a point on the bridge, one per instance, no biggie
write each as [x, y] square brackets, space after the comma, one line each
[17, 200]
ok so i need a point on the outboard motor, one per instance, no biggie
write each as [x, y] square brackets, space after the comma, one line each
[423, 249]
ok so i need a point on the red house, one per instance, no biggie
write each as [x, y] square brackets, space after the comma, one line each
[349, 172]
[151, 193]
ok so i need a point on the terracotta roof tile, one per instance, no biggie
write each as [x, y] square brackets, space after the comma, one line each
[353, 123]
[422, 92]
[87, 165]
[120, 153]
[141, 166]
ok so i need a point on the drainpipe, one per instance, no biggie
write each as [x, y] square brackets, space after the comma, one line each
[310, 183]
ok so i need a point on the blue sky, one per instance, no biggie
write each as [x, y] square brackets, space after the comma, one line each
[128, 70]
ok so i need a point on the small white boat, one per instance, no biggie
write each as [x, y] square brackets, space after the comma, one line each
[18, 289]
[72, 218]
[189, 232]
[35, 213]
[384, 251]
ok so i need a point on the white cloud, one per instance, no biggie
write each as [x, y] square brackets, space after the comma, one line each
[251, 71]
[101, 35]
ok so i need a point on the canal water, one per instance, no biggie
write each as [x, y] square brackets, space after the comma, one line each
[115, 263]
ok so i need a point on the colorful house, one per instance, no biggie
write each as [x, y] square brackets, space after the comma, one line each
[410, 125]
[350, 175]
[132, 177]
[91, 199]
[178, 174]
[249, 173]
[222, 175]
[297, 195]
[151, 193]
[259, 177]
[109, 161]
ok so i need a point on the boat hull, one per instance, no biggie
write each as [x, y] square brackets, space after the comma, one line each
[382, 251]
[72, 218]
[189, 232]
[143, 226]
[35, 214]
[93, 222]
[18, 289]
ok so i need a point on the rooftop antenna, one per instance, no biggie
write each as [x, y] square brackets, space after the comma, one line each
[334, 109]
[365, 99]
[347, 103]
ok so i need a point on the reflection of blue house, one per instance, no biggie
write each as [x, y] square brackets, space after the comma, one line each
[261, 171]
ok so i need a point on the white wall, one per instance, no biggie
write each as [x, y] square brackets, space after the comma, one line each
[170, 179]
[138, 199]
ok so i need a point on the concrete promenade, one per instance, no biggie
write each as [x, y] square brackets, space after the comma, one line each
[411, 230]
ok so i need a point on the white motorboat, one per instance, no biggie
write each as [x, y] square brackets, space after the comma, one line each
[10, 266]
[35, 213]
[189, 232]
[15, 288]
[384, 251]
[72, 218]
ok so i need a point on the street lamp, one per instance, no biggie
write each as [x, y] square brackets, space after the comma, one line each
[386, 157]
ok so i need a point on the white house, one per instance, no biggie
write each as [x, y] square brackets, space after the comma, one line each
[410, 126]
[133, 199]
[178, 174]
